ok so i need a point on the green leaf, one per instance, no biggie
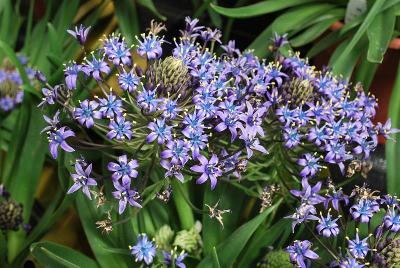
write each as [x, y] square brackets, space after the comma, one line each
[392, 147]
[52, 214]
[380, 33]
[213, 233]
[3, 250]
[89, 215]
[150, 5]
[343, 57]
[126, 13]
[292, 20]
[25, 179]
[365, 72]
[230, 249]
[345, 68]
[263, 238]
[54, 255]
[184, 211]
[215, 258]
[260, 8]
[311, 33]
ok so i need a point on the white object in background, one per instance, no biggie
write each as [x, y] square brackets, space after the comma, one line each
[354, 9]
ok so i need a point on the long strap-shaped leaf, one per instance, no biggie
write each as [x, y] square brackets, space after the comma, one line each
[392, 147]
[341, 61]
[261, 8]
[55, 255]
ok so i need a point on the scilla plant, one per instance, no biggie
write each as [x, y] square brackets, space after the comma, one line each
[222, 131]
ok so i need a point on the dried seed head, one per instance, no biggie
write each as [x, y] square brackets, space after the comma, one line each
[156, 27]
[267, 196]
[105, 225]
[10, 215]
[213, 212]
[364, 192]
[165, 195]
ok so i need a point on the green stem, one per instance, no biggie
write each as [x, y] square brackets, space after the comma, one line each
[182, 204]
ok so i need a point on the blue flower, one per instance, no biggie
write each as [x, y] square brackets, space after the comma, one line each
[350, 262]
[251, 142]
[309, 194]
[118, 52]
[300, 252]
[128, 81]
[50, 96]
[123, 169]
[335, 198]
[71, 74]
[178, 259]
[150, 46]
[210, 170]
[57, 138]
[327, 226]
[147, 99]
[197, 140]
[80, 34]
[144, 249]
[310, 164]
[229, 121]
[110, 106]
[364, 210]
[86, 113]
[358, 248]
[125, 195]
[159, 131]
[392, 220]
[170, 109]
[82, 179]
[177, 150]
[52, 122]
[194, 120]
[292, 137]
[95, 67]
[304, 213]
[173, 169]
[119, 129]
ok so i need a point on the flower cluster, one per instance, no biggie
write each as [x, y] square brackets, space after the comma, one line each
[204, 116]
[11, 92]
[338, 211]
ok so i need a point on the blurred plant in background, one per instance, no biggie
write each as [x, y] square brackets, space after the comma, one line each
[23, 152]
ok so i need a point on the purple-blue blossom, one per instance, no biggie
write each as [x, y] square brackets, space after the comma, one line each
[209, 169]
[144, 249]
[82, 179]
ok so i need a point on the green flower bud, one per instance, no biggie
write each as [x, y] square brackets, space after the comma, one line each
[163, 237]
[190, 240]
[170, 74]
[9, 88]
[298, 91]
[276, 259]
